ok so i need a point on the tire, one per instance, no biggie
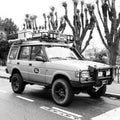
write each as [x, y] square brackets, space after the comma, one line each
[97, 94]
[62, 93]
[17, 83]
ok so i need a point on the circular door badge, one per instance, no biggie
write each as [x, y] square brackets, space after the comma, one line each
[36, 70]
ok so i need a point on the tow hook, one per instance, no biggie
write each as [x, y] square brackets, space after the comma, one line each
[97, 88]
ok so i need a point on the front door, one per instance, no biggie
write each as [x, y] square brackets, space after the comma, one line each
[36, 69]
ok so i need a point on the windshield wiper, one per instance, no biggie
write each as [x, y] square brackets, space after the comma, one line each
[60, 58]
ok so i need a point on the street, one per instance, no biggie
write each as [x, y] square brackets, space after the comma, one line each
[36, 104]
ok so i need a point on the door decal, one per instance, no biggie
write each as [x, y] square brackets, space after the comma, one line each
[36, 70]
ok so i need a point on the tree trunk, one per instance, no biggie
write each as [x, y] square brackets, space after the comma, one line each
[112, 57]
[78, 48]
[78, 45]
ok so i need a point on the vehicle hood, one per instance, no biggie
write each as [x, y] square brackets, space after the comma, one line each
[79, 64]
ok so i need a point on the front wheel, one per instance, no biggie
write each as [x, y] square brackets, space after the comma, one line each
[17, 83]
[62, 92]
[97, 93]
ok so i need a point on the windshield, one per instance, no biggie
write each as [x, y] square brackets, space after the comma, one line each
[58, 52]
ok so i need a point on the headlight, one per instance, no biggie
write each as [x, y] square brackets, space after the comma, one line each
[85, 74]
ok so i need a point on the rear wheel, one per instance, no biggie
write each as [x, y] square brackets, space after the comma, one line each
[97, 93]
[62, 92]
[17, 83]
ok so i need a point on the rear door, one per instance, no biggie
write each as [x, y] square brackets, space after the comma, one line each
[23, 61]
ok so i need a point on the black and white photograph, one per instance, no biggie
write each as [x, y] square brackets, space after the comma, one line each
[60, 60]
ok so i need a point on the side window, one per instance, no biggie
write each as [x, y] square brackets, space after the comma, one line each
[13, 52]
[36, 51]
[24, 52]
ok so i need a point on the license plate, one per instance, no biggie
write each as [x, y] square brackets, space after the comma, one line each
[104, 82]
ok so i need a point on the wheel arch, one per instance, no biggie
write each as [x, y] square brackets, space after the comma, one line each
[61, 76]
[15, 70]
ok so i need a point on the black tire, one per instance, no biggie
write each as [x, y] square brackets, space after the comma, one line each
[17, 83]
[97, 94]
[62, 92]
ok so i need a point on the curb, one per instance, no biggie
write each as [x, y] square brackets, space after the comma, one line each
[107, 94]
[4, 77]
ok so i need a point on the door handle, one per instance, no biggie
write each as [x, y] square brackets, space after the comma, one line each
[30, 64]
[18, 63]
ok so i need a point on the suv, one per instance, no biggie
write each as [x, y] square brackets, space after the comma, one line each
[57, 66]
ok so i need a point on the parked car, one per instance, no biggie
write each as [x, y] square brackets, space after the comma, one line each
[58, 66]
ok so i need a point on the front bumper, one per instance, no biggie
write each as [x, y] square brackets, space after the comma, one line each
[104, 79]
[94, 80]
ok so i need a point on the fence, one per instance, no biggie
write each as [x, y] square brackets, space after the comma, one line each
[117, 74]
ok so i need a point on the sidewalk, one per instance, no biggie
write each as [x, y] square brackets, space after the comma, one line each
[113, 90]
[3, 73]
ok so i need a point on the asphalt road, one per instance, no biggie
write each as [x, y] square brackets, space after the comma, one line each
[36, 104]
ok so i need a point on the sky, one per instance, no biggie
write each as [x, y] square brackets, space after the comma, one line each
[16, 9]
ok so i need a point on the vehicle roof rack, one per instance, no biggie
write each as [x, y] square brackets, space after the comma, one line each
[43, 36]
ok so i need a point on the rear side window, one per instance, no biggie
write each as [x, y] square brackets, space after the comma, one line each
[13, 52]
[25, 53]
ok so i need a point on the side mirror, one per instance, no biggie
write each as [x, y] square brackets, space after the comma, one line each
[40, 58]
